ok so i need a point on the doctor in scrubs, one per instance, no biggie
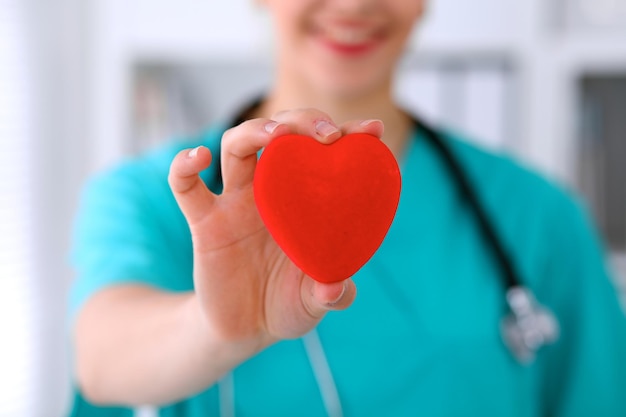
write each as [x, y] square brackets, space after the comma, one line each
[183, 301]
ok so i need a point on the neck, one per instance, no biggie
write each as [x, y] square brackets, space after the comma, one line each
[374, 105]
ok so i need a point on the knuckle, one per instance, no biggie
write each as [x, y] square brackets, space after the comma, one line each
[312, 112]
[227, 136]
[306, 113]
[175, 165]
[233, 134]
[284, 115]
[316, 114]
[251, 123]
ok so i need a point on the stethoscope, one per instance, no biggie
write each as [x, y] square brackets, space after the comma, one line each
[525, 328]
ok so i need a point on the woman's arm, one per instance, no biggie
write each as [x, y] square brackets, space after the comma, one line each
[138, 345]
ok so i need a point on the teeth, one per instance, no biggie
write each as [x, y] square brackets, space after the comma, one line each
[348, 36]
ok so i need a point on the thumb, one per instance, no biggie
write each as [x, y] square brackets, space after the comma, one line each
[319, 298]
[192, 195]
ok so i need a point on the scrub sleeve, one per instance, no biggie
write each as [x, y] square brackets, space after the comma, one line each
[118, 238]
[119, 234]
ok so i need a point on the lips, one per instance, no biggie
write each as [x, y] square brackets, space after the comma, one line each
[349, 38]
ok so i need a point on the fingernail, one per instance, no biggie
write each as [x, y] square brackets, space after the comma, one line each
[325, 129]
[271, 127]
[343, 291]
[194, 152]
[370, 121]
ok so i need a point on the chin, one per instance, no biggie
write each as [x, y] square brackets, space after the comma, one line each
[344, 78]
[351, 87]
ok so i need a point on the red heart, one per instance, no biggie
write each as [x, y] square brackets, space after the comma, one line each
[328, 207]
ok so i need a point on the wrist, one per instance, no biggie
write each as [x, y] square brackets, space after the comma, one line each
[214, 345]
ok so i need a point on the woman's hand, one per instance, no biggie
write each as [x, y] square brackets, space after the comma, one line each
[247, 290]
[247, 295]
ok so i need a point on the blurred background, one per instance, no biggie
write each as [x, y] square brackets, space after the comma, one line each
[84, 83]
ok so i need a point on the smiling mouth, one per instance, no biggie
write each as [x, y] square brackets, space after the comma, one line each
[349, 39]
[350, 36]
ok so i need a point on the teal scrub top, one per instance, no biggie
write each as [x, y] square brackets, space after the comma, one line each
[422, 337]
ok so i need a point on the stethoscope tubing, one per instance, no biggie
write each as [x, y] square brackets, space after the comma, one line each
[526, 316]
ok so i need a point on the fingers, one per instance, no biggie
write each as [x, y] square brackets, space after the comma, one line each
[319, 298]
[336, 296]
[192, 195]
[373, 127]
[241, 144]
[310, 122]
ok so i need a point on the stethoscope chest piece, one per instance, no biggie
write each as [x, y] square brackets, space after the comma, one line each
[528, 326]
